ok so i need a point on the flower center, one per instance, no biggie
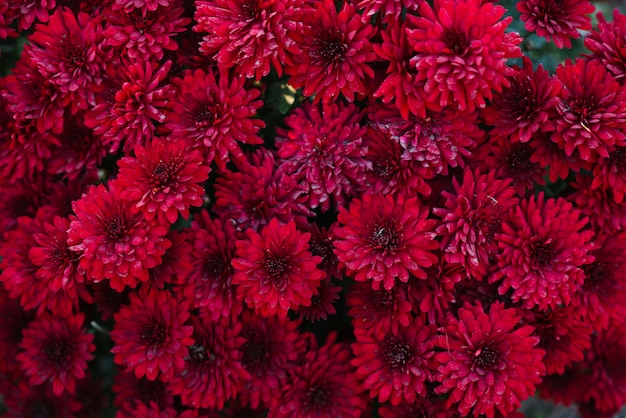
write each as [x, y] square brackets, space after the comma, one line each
[523, 100]
[486, 358]
[162, 174]
[213, 267]
[584, 107]
[385, 168]
[397, 354]
[72, 53]
[316, 398]
[456, 41]
[519, 159]
[329, 47]
[154, 334]
[203, 116]
[141, 21]
[542, 252]
[59, 352]
[116, 229]
[199, 354]
[251, 10]
[255, 353]
[385, 238]
[277, 268]
[382, 299]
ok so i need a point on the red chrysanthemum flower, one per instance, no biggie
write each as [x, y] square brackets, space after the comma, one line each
[435, 296]
[385, 238]
[395, 366]
[133, 103]
[249, 35]
[163, 179]
[113, 238]
[323, 149]
[127, 388]
[548, 154]
[336, 50]
[610, 172]
[29, 11]
[489, 363]
[472, 216]
[215, 113]
[272, 348]
[69, 54]
[543, 248]
[213, 370]
[322, 303]
[142, 34]
[556, 20]
[387, 7]
[150, 336]
[461, 51]
[176, 262]
[321, 245]
[274, 270]
[592, 107]
[608, 43]
[323, 386]
[599, 205]
[56, 351]
[524, 107]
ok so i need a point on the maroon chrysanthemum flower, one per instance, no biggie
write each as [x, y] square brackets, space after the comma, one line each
[384, 238]
[56, 351]
[610, 172]
[543, 248]
[592, 110]
[213, 370]
[324, 385]
[556, 20]
[321, 245]
[436, 295]
[548, 154]
[127, 388]
[323, 149]
[142, 34]
[25, 400]
[461, 49]
[608, 43]
[599, 205]
[472, 216]
[274, 270]
[322, 303]
[249, 35]
[489, 363]
[163, 179]
[150, 336]
[113, 238]
[395, 366]
[176, 262]
[336, 50]
[215, 113]
[525, 106]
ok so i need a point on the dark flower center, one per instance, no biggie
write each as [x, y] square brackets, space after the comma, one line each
[486, 358]
[251, 10]
[277, 268]
[597, 277]
[385, 237]
[519, 159]
[456, 40]
[154, 334]
[141, 21]
[316, 398]
[584, 107]
[329, 47]
[199, 354]
[255, 353]
[523, 100]
[542, 252]
[73, 53]
[203, 116]
[116, 228]
[59, 352]
[618, 159]
[214, 266]
[162, 174]
[382, 299]
[397, 354]
[385, 168]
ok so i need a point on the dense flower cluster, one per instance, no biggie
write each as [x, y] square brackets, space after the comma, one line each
[311, 208]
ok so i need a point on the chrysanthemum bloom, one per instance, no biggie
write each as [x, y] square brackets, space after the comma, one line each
[150, 336]
[543, 248]
[162, 178]
[556, 20]
[215, 113]
[473, 214]
[209, 284]
[113, 239]
[434, 296]
[324, 385]
[127, 388]
[384, 238]
[323, 149]
[461, 50]
[380, 310]
[272, 347]
[597, 300]
[336, 50]
[249, 35]
[176, 262]
[56, 351]
[525, 106]
[143, 5]
[321, 244]
[258, 192]
[599, 205]
[563, 336]
[608, 43]
[548, 154]
[489, 363]
[274, 270]
[386, 7]
[213, 370]
[23, 400]
[592, 110]
[322, 303]
[142, 34]
[138, 102]
[395, 366]
[610, 172]
[69, 53]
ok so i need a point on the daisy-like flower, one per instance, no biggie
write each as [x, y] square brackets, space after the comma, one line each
[543, 248]
[322, 303]
[215, 113]
[68, 51]
[608, 43]
[324, 385]
[525, 106]
[395, 367]
[56, 351]
[163, 179]
[249, 35]
[489, 363]
[113, 239]
[150, 334]
[385, 238]
[142, 34]
[592, 110]
[274, 270]
[461, 49]
[336, 50]
[556, 20]
[213, 370]
[323, 149]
